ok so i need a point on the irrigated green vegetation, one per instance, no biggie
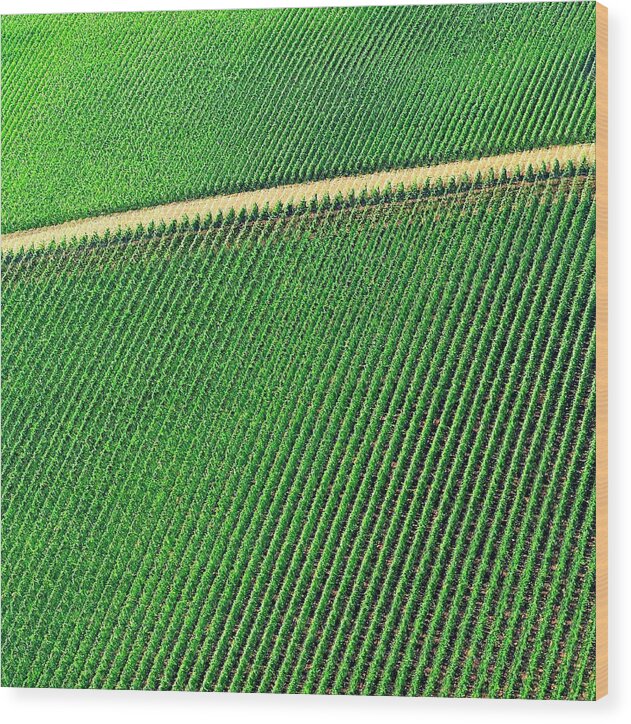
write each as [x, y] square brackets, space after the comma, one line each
[104, 112]
[343, 450]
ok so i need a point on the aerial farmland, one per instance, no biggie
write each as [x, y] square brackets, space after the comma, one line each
[299, 350]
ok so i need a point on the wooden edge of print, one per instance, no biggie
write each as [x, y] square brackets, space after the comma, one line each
[601, 353]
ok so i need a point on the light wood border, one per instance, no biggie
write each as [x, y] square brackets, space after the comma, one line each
[601, 351]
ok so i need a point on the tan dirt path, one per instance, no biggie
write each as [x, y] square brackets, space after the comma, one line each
[292, 192]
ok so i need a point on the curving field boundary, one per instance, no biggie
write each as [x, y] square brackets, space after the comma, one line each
[292, 192]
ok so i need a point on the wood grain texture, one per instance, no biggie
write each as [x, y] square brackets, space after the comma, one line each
[601, 352]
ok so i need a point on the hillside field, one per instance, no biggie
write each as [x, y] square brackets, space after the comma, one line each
[344, 449]
[110, 112]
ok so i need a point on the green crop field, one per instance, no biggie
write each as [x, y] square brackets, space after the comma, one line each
[341, 445]
[108, 112]
[344, 449]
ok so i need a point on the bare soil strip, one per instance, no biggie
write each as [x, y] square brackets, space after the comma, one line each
[293, 192]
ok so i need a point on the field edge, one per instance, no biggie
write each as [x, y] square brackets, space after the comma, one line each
[601, 354]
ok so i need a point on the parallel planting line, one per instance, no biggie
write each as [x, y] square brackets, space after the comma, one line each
[336, 451]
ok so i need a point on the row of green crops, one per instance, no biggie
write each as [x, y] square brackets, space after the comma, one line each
[104, 112]
[342, 451]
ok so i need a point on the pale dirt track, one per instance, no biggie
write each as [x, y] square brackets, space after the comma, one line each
[293, 192]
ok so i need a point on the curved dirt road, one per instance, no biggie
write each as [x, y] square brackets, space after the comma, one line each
[293, 192]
